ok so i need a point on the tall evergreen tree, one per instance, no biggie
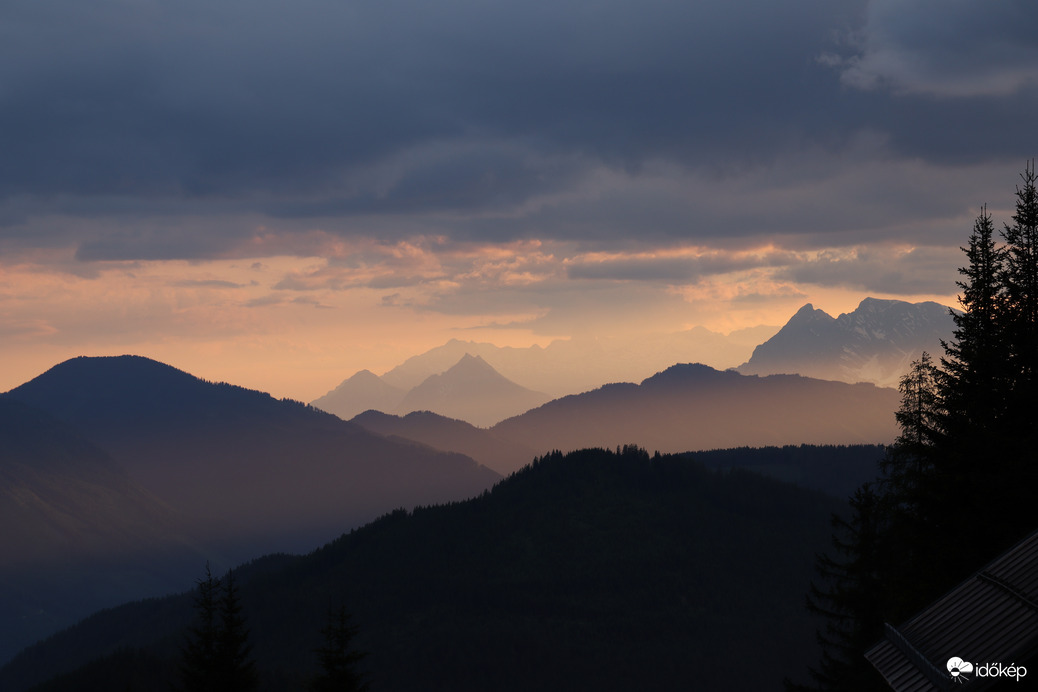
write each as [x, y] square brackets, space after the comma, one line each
[909, 463]
[338, 660]
[1021, 333]
[216, 657]
[974, 375]
[1021, 277]
[849, 596]
[235, 669]
[975, 384]
[198, 655]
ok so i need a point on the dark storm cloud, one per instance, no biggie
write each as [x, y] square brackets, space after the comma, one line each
[457, 113]
[953, 49]
[233, 97]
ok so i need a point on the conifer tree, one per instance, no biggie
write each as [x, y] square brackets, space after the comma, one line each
[849, 595]
[910, 460]
[1020, 278]
[974, 367]
[975, 384]
[235, 669]
[337, 658]
[198, 656]
[216, 657]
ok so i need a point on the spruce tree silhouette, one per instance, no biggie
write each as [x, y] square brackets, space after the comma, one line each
[848, 583]
[235, 670]
[217, 655]
[198, 655]
[338, 660]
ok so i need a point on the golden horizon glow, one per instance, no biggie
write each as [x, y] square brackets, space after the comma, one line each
[296, 326]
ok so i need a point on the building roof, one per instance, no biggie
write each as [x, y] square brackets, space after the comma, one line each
[992, 617]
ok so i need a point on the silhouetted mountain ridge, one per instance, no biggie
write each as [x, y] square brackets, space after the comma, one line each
[120, 391]
[693, 407]
[238, 463]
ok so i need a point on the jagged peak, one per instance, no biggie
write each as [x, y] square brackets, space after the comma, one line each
[809, 313]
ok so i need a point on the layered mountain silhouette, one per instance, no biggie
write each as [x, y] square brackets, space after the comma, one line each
[877, 342]
[79, 533]
[448, 434]
[473, 391]
[470, 390]
[684, 408]
[692, 406]
[362, 392]
[566, 366]
[594, 570]
[249, 472]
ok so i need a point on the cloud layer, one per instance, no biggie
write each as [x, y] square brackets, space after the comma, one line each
[473, 117]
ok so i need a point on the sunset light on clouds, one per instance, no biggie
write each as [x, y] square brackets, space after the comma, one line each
[279, 195]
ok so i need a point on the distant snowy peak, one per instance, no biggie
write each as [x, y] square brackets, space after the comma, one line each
[877, 342]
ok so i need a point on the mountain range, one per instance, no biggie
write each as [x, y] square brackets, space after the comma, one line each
[684, 408]
[570, 366]
[692, 406]
[876, 342]
[563, 367]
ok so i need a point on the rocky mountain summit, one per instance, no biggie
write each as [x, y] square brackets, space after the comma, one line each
[875, 343]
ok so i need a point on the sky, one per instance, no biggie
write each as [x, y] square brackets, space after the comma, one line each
[278, 194]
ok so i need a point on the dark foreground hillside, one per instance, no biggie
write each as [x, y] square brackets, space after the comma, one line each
[594, 570]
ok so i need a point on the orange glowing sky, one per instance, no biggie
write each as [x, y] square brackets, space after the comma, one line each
[296, 326]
